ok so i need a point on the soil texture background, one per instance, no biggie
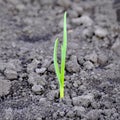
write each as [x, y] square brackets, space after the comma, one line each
[28, 85]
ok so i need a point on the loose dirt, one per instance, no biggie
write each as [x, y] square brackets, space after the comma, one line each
[28, 85]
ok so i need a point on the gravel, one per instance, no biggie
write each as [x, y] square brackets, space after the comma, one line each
[101, 32]
[5, 86]
[84, 100]
[72, 65]
[88, 65]
[11, 74]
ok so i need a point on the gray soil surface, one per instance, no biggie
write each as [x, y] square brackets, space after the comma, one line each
[28, 85]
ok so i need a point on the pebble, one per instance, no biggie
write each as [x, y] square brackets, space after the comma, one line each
[92, 57]
[88, 65]
[20, 7]
[70, 113]
[80, 59]
[76, 83]
[110, 66]
[40, 70]
[100, 32]
[46, 63]
[51, 68]
[62, 113]
[36, 79]
[39, 118]
[79, 110]
[27, 21]
[102, 58]
[10, 74]
[37, 89]
[116, 47]
[72, 14]
[4, 87]
[53, 94]
[72, 65]
[32, 65]
[2, 66]
[83, 20]
[87, 32]
[84, 74]
[84, 100]
[93, 114]
[64, 3]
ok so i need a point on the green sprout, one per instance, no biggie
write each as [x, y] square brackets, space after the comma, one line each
[60, 72]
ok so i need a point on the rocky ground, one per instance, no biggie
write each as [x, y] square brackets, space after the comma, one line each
[28, 85]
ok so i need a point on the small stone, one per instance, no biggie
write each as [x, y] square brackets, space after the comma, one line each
[110, 66]
[62, 113]
[27, 21]
[32, 66]
[39, 118]
[93, 115]
[64, 3]
[46, 63]
[55, 115]
[11, 74]
[83, 20]
[72, 14]
[76, 83]
[88, 65]
[87, 32]
[101, 32]
[70, 113]
[84, 74]
[80, 59]
[82, 88]
[84, 100]
[116, 47]
[53, 94]
[104, 85]
[72, 65]
[51, 68]
[79, 110]
[20, 7]
[37, 79]
[102, 58]
[92, 57]
[2, 66]
[40, 71]
[32, 78]
[37, 89]
[4, 87]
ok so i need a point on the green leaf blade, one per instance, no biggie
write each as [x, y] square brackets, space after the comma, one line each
[56, 66]
[63, 49]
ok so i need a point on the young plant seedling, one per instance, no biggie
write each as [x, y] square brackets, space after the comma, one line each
[60, 71]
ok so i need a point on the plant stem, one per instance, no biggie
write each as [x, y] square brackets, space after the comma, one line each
[61, 92]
